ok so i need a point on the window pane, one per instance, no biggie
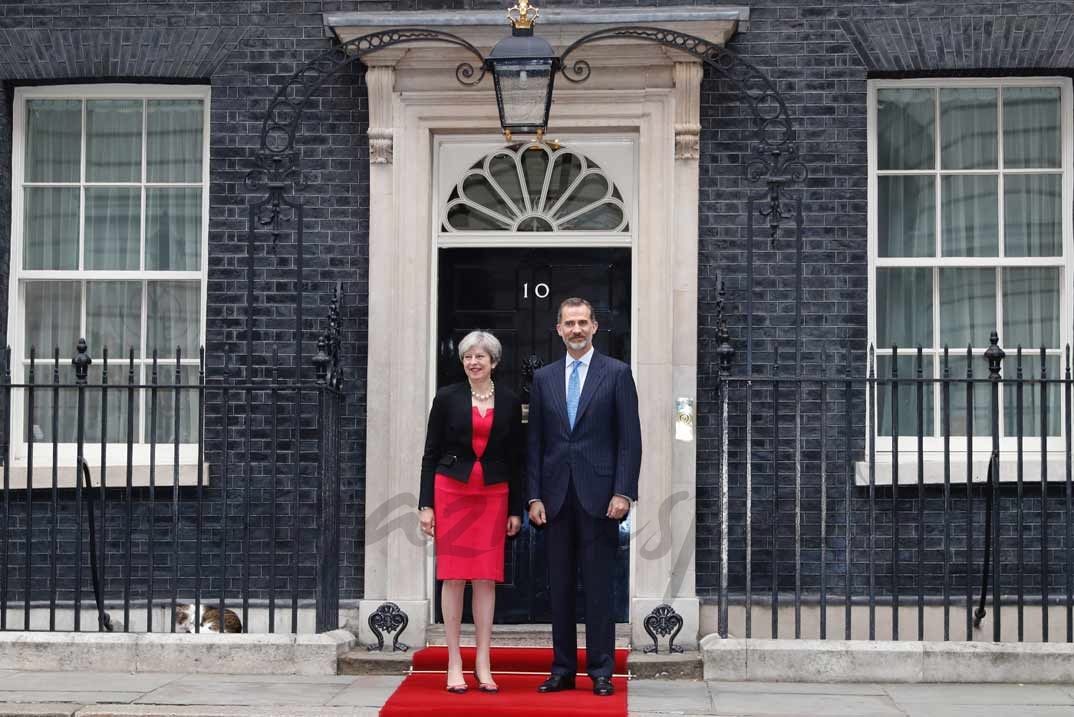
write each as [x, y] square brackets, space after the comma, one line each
[113, 140]
[1031, 396]
[968, 123]
[967, 307]
[1031, 308]
[982, 399]
[565, 169]
[173, 229]
[504, 171]
[174, 318]
[114, 318]
[970, 207]
[905, 129]
[55, 409]
[165, 413]
[53, 140]
[604, 216]
[113, 223]
[907, 393]
[907, 216]
[174, 140]
[1033, 219]
[116, 405]
[53, 317]
[50, 228]
[1031, 127]
[903, 307]
[479, 191]
[534, 166]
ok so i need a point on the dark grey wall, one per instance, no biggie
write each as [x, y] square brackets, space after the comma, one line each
[819, 54]
[243, 50]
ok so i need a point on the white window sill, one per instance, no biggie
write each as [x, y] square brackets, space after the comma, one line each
[933, 468]
[164, 475]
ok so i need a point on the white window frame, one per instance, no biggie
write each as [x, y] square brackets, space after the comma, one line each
[981, 448]
[116, 451]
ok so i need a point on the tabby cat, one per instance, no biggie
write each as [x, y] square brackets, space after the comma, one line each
[210, 619]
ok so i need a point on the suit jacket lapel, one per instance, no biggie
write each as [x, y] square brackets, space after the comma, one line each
[593, 378]
[559, 392]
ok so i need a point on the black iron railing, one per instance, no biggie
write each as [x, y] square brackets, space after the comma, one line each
[828, 498]
[201, 489]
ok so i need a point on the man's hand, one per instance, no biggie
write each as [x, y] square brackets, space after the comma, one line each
[427, 518]
[514, 524]
[537, 513]
[618, 507]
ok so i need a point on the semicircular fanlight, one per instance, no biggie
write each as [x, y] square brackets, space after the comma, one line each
[527, 188]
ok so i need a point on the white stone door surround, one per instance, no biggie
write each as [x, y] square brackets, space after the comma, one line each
[635, 88]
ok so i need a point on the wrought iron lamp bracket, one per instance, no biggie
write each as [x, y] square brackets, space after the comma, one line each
[774, 162]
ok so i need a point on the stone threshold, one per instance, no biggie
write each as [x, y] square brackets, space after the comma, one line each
[828, 661]
[248, 653]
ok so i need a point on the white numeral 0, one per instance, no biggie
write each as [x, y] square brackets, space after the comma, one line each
[539, 290]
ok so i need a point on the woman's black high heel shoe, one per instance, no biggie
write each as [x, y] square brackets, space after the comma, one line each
[457, 689]
[487, 687]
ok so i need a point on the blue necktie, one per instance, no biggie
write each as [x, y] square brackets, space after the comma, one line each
[573, 389]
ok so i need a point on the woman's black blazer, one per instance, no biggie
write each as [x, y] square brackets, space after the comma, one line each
[449, 443]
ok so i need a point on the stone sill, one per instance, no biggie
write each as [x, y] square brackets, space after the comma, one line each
[116, 477]
[933, 465]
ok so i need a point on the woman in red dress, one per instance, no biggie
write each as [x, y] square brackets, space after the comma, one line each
[471, 497]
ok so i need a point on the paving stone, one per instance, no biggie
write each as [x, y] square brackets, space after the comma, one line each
[224, 711]
[85, 681]
[205, 690]
[803, 688]
[38, 710]
[989, 694]
[371, 691]
[79, 696]
[669, 696]
[759, 703]
[948, 710]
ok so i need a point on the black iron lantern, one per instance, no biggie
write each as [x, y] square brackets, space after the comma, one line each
[523, 67]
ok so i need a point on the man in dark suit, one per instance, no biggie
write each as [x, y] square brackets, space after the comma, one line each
[584, 457]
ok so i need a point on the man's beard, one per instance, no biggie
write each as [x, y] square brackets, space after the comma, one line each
[577, 345]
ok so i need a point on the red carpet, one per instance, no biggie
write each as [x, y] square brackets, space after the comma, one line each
[423, 693]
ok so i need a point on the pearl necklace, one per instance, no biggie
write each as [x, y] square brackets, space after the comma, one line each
[484, 396]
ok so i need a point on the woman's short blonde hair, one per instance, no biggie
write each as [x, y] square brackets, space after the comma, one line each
[482, 340]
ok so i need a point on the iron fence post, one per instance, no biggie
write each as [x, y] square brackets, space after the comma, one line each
[725, 354]
[994, 355]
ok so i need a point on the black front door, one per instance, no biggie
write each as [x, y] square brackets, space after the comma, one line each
[514, 293]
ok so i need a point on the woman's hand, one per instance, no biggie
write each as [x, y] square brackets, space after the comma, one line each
[514, 524]
[427, 518]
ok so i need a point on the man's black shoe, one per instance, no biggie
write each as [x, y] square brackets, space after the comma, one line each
[556, 683]
[603, 687]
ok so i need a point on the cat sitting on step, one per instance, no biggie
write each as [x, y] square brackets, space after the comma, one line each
[209, 619]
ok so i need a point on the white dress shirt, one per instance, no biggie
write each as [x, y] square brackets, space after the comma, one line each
[583, 370]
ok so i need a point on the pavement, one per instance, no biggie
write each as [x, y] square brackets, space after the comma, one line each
[97, 694]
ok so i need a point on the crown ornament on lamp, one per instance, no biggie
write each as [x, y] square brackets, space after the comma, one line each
[523, 68]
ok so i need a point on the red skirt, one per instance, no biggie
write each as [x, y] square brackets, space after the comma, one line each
[471, 528]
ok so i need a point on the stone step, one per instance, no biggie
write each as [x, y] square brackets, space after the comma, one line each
[686, 665]
[539, 635]
[361, 661]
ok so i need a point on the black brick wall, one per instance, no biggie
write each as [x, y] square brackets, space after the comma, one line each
[819, 53]
[243, 50]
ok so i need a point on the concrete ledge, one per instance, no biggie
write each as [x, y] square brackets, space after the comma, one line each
[885, 661]
[262, 654]
[662, 666]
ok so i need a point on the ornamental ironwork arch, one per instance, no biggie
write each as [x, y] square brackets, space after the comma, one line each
[774, 161]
